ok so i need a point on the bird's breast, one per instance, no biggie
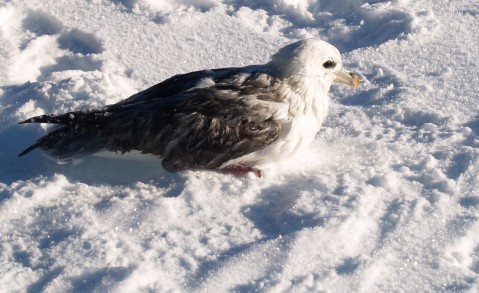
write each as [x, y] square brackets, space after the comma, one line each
[298, 134]
[298, 128]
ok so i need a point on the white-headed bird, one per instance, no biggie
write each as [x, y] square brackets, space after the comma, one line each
[228, 119]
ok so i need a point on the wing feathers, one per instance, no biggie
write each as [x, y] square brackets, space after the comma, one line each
[185, 120]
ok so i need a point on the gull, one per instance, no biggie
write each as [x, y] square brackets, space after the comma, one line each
[228, 119]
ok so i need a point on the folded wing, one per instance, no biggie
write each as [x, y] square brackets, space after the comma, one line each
[199, 119]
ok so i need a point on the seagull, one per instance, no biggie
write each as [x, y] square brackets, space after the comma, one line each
[227, 119]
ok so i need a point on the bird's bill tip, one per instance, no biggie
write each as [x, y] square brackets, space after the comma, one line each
[347, 77]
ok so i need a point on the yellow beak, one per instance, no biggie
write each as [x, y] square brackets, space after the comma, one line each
[347, 77]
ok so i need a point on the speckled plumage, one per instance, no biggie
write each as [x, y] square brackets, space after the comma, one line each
[209, 119]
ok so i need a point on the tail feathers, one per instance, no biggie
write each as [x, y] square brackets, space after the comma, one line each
[65, 144]
[70, 118]
[76, 138]
[46, 119]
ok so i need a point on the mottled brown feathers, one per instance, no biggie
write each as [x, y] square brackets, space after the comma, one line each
[183, 123]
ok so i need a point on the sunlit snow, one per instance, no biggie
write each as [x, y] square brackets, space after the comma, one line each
[386, 199]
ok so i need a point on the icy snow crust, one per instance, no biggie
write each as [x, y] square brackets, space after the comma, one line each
[386, 198]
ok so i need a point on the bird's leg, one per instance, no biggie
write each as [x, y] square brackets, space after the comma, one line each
[241, 170]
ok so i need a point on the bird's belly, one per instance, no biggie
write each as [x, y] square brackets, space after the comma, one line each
[131, 156]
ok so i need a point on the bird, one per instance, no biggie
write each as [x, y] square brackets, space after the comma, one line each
[228, 119]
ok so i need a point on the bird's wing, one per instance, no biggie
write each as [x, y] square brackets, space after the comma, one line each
[178, 84]
[201, 119]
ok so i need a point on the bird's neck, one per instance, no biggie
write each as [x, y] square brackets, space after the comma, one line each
[310, 96]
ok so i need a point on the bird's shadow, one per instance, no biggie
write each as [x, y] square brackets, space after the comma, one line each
[274, 214]
[100, 171]
[91, 170]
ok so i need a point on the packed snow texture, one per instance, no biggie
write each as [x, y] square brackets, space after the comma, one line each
[386, 199]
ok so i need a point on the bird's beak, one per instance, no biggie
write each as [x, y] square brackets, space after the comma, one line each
[347, 77]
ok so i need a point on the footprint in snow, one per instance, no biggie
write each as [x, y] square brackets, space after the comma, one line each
[41, 23]
[80, 42]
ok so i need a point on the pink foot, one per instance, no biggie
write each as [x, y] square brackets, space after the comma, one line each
[241, 170]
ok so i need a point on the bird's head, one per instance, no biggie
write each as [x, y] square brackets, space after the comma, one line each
[312, 59]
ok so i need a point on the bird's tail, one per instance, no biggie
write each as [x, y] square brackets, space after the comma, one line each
[78, 135]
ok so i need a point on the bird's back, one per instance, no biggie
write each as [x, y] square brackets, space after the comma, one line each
[202, 119]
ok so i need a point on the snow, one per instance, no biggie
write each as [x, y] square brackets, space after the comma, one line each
[385, 199]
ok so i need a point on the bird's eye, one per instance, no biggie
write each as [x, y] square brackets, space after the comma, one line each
[329, 64]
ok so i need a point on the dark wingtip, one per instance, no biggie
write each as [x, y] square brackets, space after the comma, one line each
[29, 120]
[43, 119]
[29, 149]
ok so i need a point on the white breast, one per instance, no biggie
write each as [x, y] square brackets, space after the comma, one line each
[297, 131]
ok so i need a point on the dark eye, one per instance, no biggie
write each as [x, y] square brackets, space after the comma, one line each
[329, 64]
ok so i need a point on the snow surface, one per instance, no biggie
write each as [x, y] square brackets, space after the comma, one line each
[385, 200]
